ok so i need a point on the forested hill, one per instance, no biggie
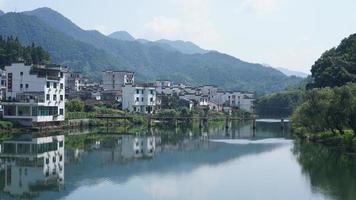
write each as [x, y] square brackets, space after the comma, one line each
[91, 52]
[12, 51]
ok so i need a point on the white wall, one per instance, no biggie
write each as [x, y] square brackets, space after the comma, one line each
[130, 98]
[114, 80]
[32, 83]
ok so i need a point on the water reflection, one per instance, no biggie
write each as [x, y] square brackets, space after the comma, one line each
[330, 171]
[145, 164]
[31, 165]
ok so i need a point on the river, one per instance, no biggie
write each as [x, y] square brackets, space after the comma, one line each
[182, 163]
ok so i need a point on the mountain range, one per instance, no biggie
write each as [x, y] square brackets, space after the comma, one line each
[91, 52]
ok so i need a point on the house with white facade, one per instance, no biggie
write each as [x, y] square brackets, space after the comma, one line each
[115, 80]
[2, 84]
[140, 98]
[209, 90]
[75, 81]
[34, 93]
[31, 163]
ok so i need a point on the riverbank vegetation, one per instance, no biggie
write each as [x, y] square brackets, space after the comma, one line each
[327, 113]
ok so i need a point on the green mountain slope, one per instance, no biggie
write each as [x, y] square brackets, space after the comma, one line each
[183, 47]
[121, 35]
[62, 48]
[91, 52]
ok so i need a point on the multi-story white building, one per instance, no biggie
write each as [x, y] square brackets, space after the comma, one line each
[115, 80]
[34, 93]
[31, 163]
[209, 90]
[75, 81]
[139, 98]
[2, 84]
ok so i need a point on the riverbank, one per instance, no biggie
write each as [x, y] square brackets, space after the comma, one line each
[346, 141]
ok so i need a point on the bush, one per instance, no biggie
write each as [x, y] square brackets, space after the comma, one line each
[169, 113]
[75, 105]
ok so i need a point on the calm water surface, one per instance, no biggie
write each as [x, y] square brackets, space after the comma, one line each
[176, 163]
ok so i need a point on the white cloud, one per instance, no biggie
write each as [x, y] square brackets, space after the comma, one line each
[263, 7]
[164, 27]
[193, 24]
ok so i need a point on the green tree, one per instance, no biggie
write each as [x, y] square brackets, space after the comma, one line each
[75, 105]
[337, 66]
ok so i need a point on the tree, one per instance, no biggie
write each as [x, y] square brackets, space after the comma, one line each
[12, 51]
[337, 66]
[75, 105]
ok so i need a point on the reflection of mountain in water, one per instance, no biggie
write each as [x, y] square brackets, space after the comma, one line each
[118, 158]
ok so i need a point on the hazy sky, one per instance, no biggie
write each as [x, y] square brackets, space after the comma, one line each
[284, 33]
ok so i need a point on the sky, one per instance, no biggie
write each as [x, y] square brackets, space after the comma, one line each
[281, 33]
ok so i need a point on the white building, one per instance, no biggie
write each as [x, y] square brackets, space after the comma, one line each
[75, 81]
[163, 83]
[240, 100]
[34, 93]
[115, 80]
[32, 163]
[2, 84]
[198, 99]
[139, 98]
[209, 90]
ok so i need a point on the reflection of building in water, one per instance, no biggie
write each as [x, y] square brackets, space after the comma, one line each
[138, 147]
[116, 149]
[31, 165]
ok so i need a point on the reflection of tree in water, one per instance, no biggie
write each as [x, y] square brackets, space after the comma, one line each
[332, 172]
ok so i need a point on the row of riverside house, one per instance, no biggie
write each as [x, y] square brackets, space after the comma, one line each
[33, 94]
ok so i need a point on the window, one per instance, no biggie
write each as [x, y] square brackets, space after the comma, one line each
[48, 84]
[137, 99]
[60, 158]
[55, 85]
[54, 159]
[21, 86]
[151, 91]
[61, 111]
[21, 73]
[142, 99]
[61, 86]
[26, 86]
[61, 74]
[151, 99]
[137, 91]
[61, 143]
[61, 97]
[135, 109]
[47, 97]
[54, 97]
[47, 160]
[142, 91]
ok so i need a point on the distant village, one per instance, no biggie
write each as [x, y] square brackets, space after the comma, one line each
[32, 94]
